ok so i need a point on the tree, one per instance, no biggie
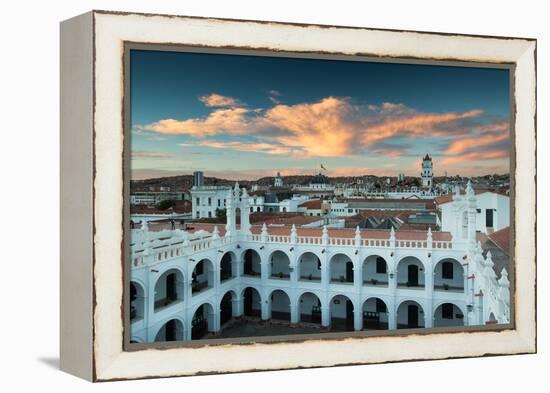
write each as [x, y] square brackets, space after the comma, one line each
[165, 204]
[221, 214]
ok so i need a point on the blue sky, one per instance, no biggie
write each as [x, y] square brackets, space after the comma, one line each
[243, 117]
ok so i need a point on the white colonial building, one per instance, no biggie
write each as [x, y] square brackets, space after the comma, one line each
[207, 199]
[188, 284]
[492, 211]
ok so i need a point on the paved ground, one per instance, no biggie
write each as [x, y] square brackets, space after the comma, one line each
[255, 328]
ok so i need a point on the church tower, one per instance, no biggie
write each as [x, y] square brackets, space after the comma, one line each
[278, 180]
[427, 172]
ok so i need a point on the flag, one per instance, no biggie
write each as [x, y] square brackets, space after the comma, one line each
[322, 167]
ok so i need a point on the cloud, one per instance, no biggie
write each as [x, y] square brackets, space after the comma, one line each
[336, 127]
[219, 121]
[267, 148]
[139, 154]
[217, 100]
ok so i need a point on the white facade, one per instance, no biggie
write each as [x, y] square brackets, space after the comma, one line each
[427, 172]
[183, 283]
[206, 199]
[492, 213]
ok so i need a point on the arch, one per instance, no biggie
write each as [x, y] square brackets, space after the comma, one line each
[228, 266]
[341, 310]
[448, 314]
[203, 321]
[279, 265]
[252, 263]
[375, 271]
[375, 313]
[252, 300]
[341, 268]
[172, 330]
[226, 306]
[279, 302]
[169, 288]
[202, 276]
[309, 308]
[410, 315]
[449, 275]
[410, 272]
[309, 267]
[492, 319]
[137, 301]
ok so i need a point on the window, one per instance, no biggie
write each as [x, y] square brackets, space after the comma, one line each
[198, 214]
[447, 311]
[478, 210]
[198, 201]
[381, 265]
[489, 218]
[447, 270]
[219, 202]
[380, 305]
[251, 209]
[209, 214]
[209, 201]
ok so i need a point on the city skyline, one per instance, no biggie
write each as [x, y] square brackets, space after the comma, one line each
[261, 115]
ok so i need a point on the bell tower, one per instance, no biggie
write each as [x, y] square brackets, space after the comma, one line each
[427, 172]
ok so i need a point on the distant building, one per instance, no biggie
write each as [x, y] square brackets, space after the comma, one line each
[154, 197]
[206, 199]
[427, 172]
[401, 177]
[278, 180]
[198, 179]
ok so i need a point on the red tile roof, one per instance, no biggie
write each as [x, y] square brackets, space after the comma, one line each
[314, 204]
[501, 238]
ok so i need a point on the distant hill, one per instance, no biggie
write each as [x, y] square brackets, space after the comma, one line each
[185, 182]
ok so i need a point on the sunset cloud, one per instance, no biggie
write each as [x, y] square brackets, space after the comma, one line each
[335, 127]
[217, 100]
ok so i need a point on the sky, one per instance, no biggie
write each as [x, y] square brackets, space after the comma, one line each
[245, 117]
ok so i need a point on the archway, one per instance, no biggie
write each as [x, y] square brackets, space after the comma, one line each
[410, 315]
[252, 302]
[410, 273]
[137, 301]
[341, 313]
[449, 275]
[309, 308]
[375, 271]
[202, 322]
[375, 314]
[280, 305]
[226, 307]
[168, 288]
[448, 314]
[170, 331]
[252, 263]
[341, 269]
[309, 267]
[203, 276]
[279, 265]
[228, 266]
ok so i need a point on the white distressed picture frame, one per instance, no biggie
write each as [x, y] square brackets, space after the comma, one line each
[92, 192]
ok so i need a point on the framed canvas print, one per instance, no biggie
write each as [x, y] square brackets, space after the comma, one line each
[245, 195]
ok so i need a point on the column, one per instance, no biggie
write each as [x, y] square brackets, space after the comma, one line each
[325, 316]
[237, 306]
[357, 317]
[429, 292]
[294, 311]
[392, 314]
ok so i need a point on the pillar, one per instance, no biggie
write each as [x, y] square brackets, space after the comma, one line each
[294, 311]
[357, 317]
[325, 316]
[392, 314]
[237, 306]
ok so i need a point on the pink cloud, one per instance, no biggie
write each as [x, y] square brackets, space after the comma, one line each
[218, 100]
